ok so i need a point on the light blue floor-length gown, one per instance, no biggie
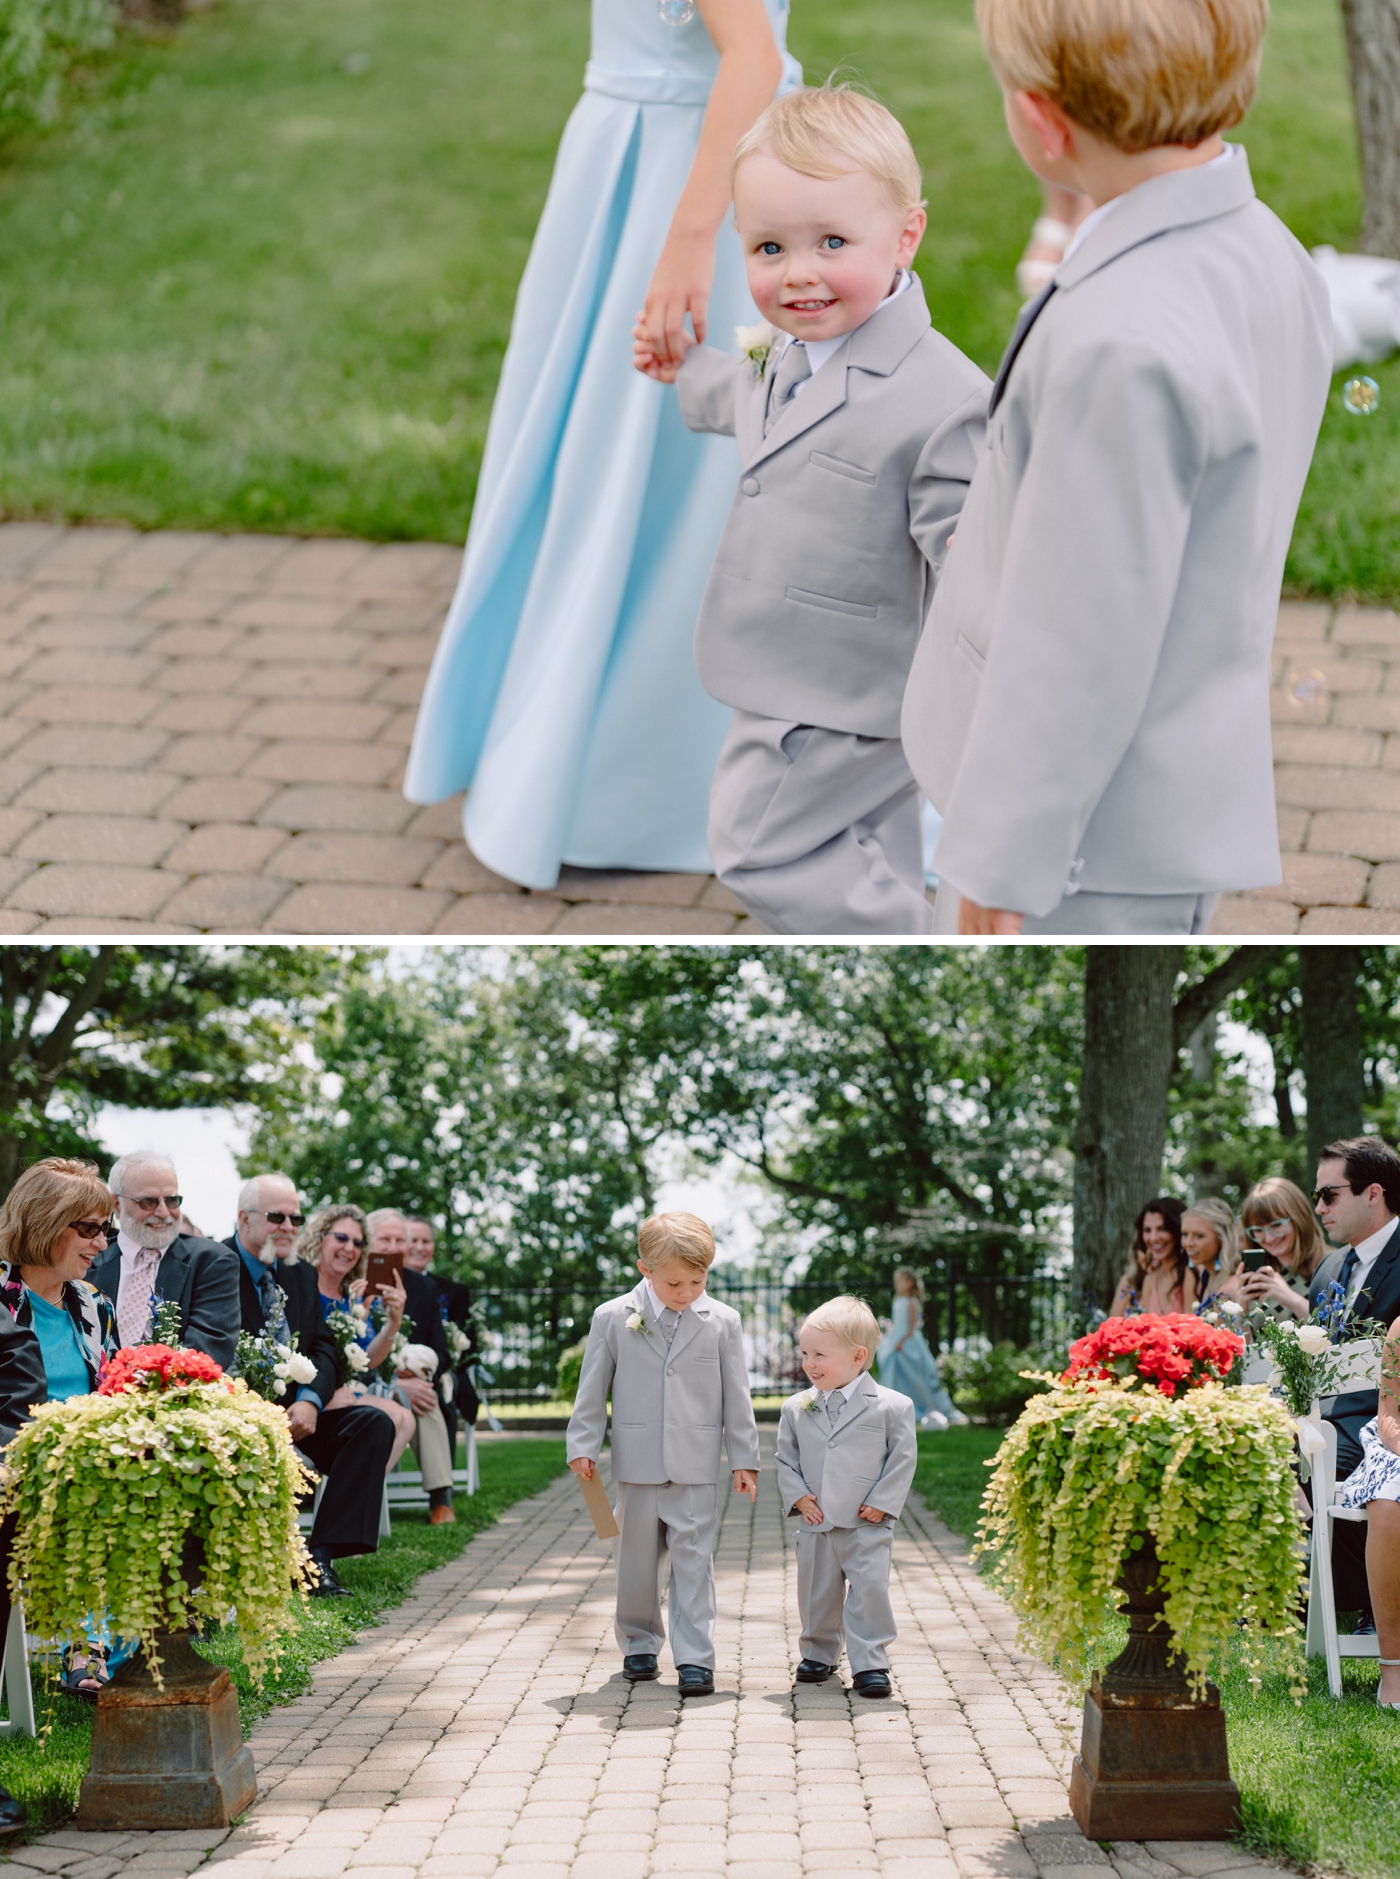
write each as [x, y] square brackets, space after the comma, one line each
[913, 1371]
[563, 694]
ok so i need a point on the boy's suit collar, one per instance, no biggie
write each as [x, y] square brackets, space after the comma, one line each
[639, 1300]
[880, 346]
[858, 1402]
[1175, 200]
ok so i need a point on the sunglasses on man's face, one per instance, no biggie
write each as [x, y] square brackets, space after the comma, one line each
[90, 1229]
[1324, 1196]
[280, 1219]
[347, 1239]
[149, 1202]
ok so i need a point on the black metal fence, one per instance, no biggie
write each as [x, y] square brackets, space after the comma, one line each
[524, 1333]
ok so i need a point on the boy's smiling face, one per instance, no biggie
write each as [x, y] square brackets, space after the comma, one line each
[829, 1361]
[821, 254]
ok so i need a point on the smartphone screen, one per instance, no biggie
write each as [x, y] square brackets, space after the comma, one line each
[1255, 1259]
[382, 1269]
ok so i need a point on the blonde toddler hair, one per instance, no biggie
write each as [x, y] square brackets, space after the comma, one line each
[830, 132]
[675, 1236]
[850, 1319]
[1138, 73]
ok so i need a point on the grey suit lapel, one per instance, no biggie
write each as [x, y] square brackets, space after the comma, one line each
[653, 1337]
[856, 1405]
[1175, 200]
[825, 393]
[689, 1327]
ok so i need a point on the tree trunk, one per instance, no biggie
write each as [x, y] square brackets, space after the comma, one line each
[1373, 52]
[1332, 1054]
[1129, 1053]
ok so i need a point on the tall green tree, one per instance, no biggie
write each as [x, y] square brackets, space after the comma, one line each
[151, 1027]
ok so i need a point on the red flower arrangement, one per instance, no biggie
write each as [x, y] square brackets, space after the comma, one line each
[156, 1366]
[1171, 1349]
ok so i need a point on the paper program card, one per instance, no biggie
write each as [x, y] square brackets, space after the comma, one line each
[596, 1497]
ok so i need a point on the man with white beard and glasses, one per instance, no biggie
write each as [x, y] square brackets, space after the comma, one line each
[350, 1447]
[151, 1262]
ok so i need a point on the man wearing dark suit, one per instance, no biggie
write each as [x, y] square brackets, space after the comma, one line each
[22, 1384]
[1358, 1201]
[350, 1447]
[151, 1261]
[454, 1304]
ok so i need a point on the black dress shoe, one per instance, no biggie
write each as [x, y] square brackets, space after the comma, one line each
[810, 1671]
[639, 1669]
[327, 1585]
[696, 1680]
[1365, 1625]
[871, 1683]
[12, 1814]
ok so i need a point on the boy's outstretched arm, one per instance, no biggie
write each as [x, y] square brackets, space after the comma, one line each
[740, 1427]
[589, 1422]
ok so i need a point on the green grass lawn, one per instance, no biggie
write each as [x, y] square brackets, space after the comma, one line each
[261, 276]
[1320, 1784]
[46, 1775]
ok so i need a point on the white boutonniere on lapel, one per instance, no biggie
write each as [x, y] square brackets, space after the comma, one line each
[812, 1401]
[756, 342]
[637, 1322]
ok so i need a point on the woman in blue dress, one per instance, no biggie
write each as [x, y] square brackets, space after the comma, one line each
[905, 1361]
[563, 692]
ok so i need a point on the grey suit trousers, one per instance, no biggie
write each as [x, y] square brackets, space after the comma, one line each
[843, 1594]
[1168, 914]
[677, 1520]
[818, 831]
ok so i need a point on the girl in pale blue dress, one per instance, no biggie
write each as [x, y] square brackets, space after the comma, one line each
[563, 692]
[906, 1363]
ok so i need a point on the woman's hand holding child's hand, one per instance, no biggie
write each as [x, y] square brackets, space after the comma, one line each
[873, 1515]
[646, 359]
[809, 1510]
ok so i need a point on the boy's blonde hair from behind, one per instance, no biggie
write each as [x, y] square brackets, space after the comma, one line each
[830, 132]
[685, 1237]
[1137, 73]
[849, 1319]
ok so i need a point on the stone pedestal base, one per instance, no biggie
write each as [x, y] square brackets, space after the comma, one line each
[1153, 1771]
[167, 1758]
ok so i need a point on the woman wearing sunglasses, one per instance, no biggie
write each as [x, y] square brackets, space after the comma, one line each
[53, 1225]
[1278, 1221]
[335, 1241]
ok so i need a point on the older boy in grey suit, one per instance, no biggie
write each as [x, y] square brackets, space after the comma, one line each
[1089, 706]
[847, 1450]
[858, 427]
[673, 1361]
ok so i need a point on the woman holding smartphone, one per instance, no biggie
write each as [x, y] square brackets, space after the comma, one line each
[1285, 1247]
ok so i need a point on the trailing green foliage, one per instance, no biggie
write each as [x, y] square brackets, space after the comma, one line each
[1090, 1469]
[39, 40]
[120, 1497]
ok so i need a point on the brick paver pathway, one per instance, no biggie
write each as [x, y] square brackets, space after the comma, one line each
[206, 734]
[485, 1729]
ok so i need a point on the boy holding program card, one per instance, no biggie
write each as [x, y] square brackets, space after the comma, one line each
[673, 1361]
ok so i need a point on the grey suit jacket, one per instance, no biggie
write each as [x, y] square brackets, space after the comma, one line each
[840, 521]
[201, 1277]
[668, 1407]
[867, 1459]
[1090, 700]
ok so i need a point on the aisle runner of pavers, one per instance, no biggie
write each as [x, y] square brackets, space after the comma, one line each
[484, 1728]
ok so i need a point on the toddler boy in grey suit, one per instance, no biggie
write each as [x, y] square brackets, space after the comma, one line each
[1089, 705]
[673, 1361]
[858, 428]
[846, 1455]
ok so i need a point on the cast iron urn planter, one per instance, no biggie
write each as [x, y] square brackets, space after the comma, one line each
[1153, 1762]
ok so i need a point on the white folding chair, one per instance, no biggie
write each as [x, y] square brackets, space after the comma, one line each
[306, 1517]
[404, 1486]
[14, 1677]
[1361, 1370]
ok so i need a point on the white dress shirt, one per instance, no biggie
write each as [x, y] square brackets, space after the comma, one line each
[1367, 1253]
[657, 1307]
[1095, 216]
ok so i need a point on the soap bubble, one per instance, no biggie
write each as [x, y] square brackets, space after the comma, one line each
[1306, 690]
[678, 12]
[1361, 396]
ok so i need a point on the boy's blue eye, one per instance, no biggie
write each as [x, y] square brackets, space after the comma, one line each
[835, 241]
[770, 247]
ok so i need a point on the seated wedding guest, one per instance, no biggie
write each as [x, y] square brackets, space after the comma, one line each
[1358, 1199]
[454, 1304]
[53, 1226]
[1159, 1277]
[388, 1233]
[153, 1260]
[334, 1241]
[1375, 1485]
[22, 1384]
[1211, 1242]
[350, 1446]
[1278, 1221]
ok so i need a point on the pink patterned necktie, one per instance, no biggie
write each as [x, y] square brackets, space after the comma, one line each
[135, 1298]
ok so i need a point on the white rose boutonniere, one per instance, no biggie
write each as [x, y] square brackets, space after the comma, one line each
[756, 342]
[637, 1322]
[813, 1401]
